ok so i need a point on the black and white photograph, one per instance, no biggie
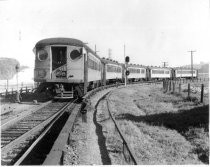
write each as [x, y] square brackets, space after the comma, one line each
[104, 82]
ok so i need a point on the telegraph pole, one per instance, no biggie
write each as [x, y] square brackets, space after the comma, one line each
[96, 50]
[125, 67]
[191, 51]
[165, 64]
[110, 53]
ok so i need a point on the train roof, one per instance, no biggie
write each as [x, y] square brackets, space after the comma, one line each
[64, 41]
[137, 65]
[183, 68]
[156, 67]
[110, 61]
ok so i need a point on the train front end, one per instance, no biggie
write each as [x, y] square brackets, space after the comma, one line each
[59, 66]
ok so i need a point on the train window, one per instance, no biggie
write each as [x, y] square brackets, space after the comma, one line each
[142, 71]
[157, 71]
[166, 72]
[75, 54]
[42, 55]
[93, 65]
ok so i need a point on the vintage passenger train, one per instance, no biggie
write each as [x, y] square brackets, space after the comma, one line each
[73, 65]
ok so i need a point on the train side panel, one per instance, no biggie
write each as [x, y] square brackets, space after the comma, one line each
[159, 73]
[137, 73]
[42, 69]
[75, 68]
[184, 73]
[94, 68]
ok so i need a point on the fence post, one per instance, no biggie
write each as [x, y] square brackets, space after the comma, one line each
[170, 85]
[179, 88]
[173, 87]
[202, 88]
[163, 85]
[188, 89]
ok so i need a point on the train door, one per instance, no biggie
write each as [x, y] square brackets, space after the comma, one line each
[59, 57]
[148, 74]
[59, 60]
[103, 73]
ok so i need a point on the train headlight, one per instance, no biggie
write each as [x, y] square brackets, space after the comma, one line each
[42, 55]
[75, 54]
[41, 73]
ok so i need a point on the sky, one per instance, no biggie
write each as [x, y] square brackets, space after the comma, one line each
[153, 31]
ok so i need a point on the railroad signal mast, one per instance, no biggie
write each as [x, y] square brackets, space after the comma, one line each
[127, 59]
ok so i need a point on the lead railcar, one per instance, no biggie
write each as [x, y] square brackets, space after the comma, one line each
[66, 63]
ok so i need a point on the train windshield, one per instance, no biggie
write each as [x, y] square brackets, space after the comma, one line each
[58, 56]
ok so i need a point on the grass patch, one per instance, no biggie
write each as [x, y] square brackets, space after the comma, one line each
[158, 145]
[164, 120]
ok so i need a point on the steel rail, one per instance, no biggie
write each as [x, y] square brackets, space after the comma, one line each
[33, 130]
[48, 127]
[125, 142]
[55, 157]
[18, 117]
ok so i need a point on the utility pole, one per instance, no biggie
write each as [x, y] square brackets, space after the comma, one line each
[110, 53]
[191, 51]
[165, 64]
[125, 68]
[96, 50]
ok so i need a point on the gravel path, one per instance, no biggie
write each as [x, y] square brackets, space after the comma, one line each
[84, 148]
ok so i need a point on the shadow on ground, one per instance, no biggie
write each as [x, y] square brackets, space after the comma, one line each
[181, 121]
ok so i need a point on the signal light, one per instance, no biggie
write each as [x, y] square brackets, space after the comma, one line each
[127, 72]
[127, 59]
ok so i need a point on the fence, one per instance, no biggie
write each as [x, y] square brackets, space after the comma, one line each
[22, 90]
[195, 87]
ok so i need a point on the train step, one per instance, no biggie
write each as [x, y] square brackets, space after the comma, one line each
[64, 95]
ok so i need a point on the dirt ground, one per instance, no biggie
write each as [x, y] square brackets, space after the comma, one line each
[84, 147]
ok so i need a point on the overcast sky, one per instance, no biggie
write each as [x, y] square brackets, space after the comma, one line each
[154, 31]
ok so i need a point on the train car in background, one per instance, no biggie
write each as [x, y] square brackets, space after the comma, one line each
[111, 71]
[158, 73]
[184, 73]
[136, 72]
[68, 63]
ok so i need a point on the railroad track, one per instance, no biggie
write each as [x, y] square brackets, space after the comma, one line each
[17, 138]
[128, 153]
[18, 141]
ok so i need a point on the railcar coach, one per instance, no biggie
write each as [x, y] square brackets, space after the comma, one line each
[111, 71]
[136, 72]
[67, 67]
[158, 73]
[184, 73]
[66, 63]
